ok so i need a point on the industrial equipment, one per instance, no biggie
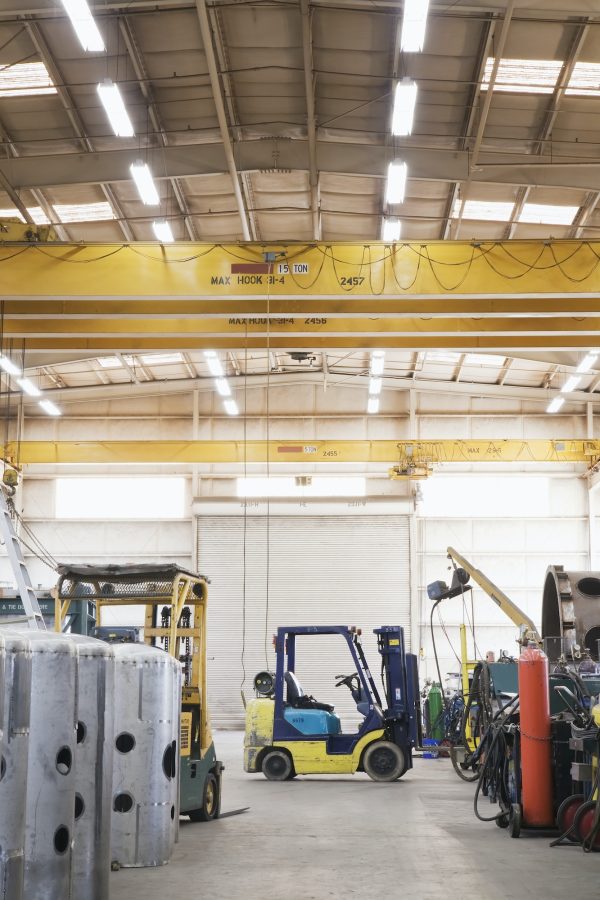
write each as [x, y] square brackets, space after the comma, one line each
[289, 733]
[175, 621]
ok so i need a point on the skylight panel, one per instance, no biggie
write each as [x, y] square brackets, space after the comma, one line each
[161, 359]
[110, 362]
[25, 79]
[11, 214]
[484, 210]
[84, 212]
[484, 359]
[548, 214]
[442, 356]
[523, 76]
[585, 80]
[38, 215]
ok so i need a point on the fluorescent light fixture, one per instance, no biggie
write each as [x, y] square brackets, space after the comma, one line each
[84, 212]
[523, 76]
[231, 408]
[484, 210]
[375, 386]
[377, 363]
[373, 405]
[405, 100]
[414, 25]
[570, 384]
[25, 80]
[396, 182]
[84, 25]
[391, 229]
[309, 486]
[548, 214]
[112, 101]
[163, 232]
[9, 366]
[141, 174]
[587, 363]
[222, 386]
[29, 387]
[555, 404]
[49, 407]
[214, 364]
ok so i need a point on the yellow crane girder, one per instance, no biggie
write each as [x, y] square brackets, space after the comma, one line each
[453, 294]
[301, 451]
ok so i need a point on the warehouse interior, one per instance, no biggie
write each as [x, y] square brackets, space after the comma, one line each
[300, 416]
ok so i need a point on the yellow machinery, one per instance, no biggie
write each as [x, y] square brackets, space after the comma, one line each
[175, 621]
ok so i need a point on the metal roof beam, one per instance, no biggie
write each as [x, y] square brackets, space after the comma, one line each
[189, 161]
[137, 61]
[309, 86]
[227, 147]
[39, 42]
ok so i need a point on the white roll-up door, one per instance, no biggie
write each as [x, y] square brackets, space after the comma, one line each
[325, 570]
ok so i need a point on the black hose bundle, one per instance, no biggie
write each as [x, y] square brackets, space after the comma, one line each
[496, 755]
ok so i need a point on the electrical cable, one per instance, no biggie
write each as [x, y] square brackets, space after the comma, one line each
[245, 520]
[489, 757]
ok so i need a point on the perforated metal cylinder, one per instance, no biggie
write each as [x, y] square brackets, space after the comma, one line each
[146, 762]
[93, 769]
[15, 692]
[571, 613]
[50, 800]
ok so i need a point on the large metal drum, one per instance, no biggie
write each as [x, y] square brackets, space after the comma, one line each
[93, 769]
[15, 691]
[146, 763]
[571, 613]
[50, 802]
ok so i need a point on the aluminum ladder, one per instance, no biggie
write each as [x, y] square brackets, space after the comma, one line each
[33, 616]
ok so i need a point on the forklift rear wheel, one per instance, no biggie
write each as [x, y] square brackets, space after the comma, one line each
[211, 802]
[384, 761]
[277, 766]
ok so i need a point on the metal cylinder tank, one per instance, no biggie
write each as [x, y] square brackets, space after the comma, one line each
[93, 769]
[571, 613]
[145, 799]
[15, 692]
[50, 801]
[536, 737]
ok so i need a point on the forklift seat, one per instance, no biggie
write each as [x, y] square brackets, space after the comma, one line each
[296, 697]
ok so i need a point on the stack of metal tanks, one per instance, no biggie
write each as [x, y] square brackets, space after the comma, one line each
[71, 707]
[146, 764]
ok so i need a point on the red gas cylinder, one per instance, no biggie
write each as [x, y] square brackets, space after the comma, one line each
[536, 750]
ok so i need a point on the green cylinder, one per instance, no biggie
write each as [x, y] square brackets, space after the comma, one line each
[436, 712]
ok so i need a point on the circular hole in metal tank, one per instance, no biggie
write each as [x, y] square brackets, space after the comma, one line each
[125, 742]
[81, 732]
[589, 585]
[79, 806]
[2, 767]
[169, 760]
[64, 760]
[61, 840]
[123, 803]
[591, 639]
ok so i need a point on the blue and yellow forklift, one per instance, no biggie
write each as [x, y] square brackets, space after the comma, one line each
[289, 733]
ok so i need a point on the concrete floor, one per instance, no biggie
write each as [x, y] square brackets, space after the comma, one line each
[322, 837]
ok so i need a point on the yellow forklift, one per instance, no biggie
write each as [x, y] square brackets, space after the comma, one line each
[175, 621]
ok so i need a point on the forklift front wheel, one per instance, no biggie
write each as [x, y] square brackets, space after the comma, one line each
[277, 766]
[211, 801]
[384, 761]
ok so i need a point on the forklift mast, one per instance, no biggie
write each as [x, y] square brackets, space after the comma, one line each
[399, 673]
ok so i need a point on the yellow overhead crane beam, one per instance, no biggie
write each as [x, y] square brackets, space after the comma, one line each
[301, 451]
[453, 294]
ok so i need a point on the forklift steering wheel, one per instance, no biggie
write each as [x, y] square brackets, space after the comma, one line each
[347, 680]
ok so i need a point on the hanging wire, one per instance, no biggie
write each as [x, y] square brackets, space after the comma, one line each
[245, 520]
[268, 560]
